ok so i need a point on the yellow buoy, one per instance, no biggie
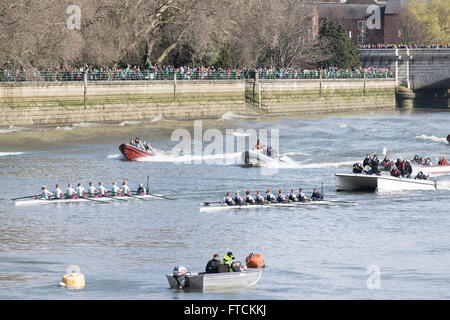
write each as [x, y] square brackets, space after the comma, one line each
[73, 281]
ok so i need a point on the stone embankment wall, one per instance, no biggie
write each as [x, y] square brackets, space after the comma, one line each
[36, 103]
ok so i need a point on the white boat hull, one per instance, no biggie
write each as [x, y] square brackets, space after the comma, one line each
[222, 207]
[382, 183]
[430, 170]
[255, 158]
[217, 281]
[27, 202]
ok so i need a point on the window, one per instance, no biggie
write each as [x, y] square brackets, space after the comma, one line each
[361, 38]
[362, 24]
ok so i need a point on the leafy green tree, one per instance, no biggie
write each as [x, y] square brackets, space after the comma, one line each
[338, 48]
[433, 15]
[223, 59]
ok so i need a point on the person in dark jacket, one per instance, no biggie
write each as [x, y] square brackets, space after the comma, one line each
[367, 161]
[408, 169]
[420, 176]
[374, 163]
[213, 264]
[395, 172]
[400, 164]
[316, 195]
[386, 164]
[357, 168]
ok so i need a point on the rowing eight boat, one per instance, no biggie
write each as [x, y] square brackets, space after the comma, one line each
[207, 208]
[39, 200]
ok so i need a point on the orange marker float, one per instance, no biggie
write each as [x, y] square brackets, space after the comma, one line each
[255, 260]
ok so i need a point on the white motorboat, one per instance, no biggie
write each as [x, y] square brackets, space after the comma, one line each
[380, 183]
[202, 281]
[431, 170]
[257, 158]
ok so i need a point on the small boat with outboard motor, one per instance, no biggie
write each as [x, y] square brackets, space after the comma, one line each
[136, 149]
[181, 279]
[380, 183]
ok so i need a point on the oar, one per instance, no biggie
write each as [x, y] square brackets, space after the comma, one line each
[208, 203]
[154, 195]
[23, 197]
[99, 201]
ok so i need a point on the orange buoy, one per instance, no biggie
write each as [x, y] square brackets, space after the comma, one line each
[255, 260]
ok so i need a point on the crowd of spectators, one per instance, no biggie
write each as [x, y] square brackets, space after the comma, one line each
[153, 72]
[403, 46]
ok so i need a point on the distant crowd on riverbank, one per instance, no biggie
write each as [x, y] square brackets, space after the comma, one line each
[403, 46]
[187, 73]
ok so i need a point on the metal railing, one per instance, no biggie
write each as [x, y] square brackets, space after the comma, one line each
[63, 76]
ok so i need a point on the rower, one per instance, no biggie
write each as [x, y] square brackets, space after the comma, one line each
[248, 198]
[125, 188]
[228, 199]
[292, 196]
[280, 197]
[141, 190]
[115, 190]
[316, 195]
[301, 196]
[81, 192]
[269, 196]
[103, 192]
[92, 190]
[70, 191]
[58, 193]
[45, 194]
[237, 198]
[259, 198]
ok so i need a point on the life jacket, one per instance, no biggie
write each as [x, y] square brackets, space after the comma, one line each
[228, 261]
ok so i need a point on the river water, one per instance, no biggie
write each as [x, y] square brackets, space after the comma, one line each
[398, 243]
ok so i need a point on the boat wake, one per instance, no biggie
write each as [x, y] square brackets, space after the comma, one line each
[431, 138]
[6, 154]
[230, 116]
[12, 129]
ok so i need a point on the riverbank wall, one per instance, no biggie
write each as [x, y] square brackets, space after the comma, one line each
[45, 103]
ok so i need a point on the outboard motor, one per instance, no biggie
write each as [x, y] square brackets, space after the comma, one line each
[179, 273]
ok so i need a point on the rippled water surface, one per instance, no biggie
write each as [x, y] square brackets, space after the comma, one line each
[124, 249]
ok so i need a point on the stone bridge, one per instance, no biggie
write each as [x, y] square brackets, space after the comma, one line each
[422, 75]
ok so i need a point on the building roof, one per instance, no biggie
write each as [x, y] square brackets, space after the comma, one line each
[395, 6]
[342, 10]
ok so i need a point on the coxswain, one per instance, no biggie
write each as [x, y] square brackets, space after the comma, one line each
[420, 176]
[259, 198]
[58, 193]
[301, 196]
[125, 189]
[228, 199]
[292, 196]
[102, 190]
[141, 190]
[248, 198]
[45, 194]
[367, 161]
[269, 196]
[115, 190]
[280, 196]
[395, 172]
[237, 198]
[316, 195]
[92, 190]
[70, 191]
[80, 190]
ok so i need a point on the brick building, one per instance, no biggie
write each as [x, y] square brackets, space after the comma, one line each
[367, 21]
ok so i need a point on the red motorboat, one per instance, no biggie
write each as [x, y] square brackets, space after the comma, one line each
[132, 153]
